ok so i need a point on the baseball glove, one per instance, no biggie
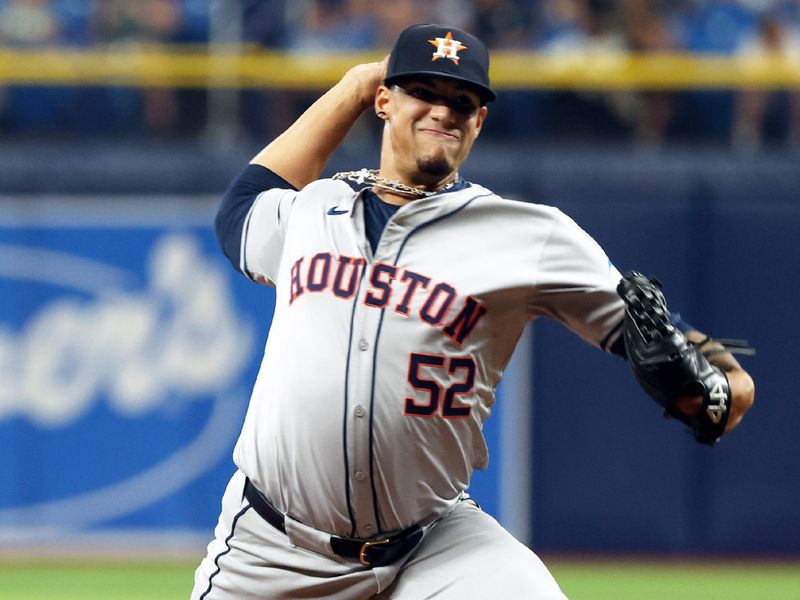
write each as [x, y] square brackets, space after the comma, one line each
[667, 365]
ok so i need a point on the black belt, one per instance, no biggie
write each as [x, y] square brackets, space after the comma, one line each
[372, 553]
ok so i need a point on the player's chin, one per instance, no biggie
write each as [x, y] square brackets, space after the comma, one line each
[436, 165]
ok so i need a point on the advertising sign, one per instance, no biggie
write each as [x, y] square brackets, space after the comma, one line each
[128, 349]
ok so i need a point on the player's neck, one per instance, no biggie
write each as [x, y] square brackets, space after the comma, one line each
[400, 197]
[391, 198]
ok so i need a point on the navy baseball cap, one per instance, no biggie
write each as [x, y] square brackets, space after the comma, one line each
[440, 51]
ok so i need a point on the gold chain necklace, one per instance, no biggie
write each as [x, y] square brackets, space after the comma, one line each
[371, 176]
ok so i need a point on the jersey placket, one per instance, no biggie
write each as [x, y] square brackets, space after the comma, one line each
[364, 361]
[358, 442]
[358, 417]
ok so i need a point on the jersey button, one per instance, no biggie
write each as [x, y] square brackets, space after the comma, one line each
[368, 529]
[363, 345]
[360, 476]
[359, 411]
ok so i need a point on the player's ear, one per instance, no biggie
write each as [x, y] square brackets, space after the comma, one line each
[481, 117]
[382, 97]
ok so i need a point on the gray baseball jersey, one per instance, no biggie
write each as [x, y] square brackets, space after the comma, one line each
[380, 368]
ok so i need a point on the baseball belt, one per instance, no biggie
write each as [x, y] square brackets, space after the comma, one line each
[375, 552]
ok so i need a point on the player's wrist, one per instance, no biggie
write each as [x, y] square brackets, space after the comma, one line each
[351, 96]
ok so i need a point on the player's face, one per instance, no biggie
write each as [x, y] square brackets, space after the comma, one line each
[433, 123]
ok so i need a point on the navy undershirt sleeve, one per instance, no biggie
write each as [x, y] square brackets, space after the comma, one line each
[236, 203]
[618, 347]
[678, 321]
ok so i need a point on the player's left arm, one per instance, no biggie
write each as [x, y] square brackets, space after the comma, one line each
[740, 381]
[694, 378]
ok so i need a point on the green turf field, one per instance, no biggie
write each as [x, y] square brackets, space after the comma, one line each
[621, 580]
[580, 580]
[74, 580]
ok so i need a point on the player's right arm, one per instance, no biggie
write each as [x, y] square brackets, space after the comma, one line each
[300, 153]
[261, 198]
[251, 222]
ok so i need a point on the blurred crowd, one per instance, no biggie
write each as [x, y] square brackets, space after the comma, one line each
[745, 119]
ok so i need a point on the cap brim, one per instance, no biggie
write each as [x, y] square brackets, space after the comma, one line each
[486, 94]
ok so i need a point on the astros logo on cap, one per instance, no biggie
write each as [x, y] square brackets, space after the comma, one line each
[447, 47]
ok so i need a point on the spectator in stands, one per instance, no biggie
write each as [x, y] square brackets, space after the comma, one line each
[315, 26]
[763, 115]
[714, 27]
[750, 119]
[563, 26]
[330, 25]
[122, 23]
[570, 28]
[393, 17]
[195, 17]
[458, 13]
[125, 22]
[29, 24]
[503, 23]
[647, 32]
[74, 18]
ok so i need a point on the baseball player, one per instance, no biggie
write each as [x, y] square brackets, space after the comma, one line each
[400, 295]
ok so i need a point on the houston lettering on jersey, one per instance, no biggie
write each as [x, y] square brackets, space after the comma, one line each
[389, 286]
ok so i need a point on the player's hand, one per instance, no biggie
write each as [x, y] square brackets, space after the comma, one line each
[742, 386]
[365, 79]
[742, 394]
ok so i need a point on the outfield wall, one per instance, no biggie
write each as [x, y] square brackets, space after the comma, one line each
[721, 233]
[128, 346]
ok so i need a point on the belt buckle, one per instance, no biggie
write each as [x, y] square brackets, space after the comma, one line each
[362, 555]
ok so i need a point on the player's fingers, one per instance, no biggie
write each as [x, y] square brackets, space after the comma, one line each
[688, 405]
[382, 66]
[743, 392]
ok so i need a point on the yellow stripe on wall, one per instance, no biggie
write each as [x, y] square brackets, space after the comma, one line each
[196, 67]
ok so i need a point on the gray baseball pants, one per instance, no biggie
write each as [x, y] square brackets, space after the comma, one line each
[465, 554]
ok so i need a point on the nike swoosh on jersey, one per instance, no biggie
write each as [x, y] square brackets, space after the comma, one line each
[334, 211]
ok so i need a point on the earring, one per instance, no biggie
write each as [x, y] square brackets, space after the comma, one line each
[381, 114]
